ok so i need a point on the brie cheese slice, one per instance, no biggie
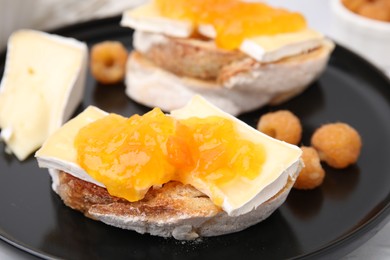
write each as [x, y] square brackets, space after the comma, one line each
[271, 48]
[59, 153]
[243, 195]
[43, 83]
[279, 46]
[148, 18]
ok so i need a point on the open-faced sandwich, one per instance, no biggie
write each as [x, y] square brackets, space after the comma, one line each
[238, 55]
[197, 171]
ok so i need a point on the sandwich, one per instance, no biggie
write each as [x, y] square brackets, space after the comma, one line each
[238, 55]
[195, 172]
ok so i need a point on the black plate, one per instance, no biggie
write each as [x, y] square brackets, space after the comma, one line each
[351, 205]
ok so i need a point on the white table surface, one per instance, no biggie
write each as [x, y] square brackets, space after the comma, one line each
[317, 12]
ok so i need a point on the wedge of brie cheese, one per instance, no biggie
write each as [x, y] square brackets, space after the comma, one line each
[239, 196]
[43, 83]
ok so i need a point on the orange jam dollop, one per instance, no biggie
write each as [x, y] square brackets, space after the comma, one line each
[131, 155]
[233, 20]
[127, 155]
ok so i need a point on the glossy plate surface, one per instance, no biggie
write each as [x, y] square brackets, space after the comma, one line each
[344, 212]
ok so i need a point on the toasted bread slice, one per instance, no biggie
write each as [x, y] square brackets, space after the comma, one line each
[200, 58]
[242, 86]
[174, 210]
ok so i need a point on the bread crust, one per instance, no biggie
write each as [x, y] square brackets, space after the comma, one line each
[201, 59]
[176, 210]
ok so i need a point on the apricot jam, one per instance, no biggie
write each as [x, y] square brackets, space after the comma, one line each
[216, 151]
[127, 155]
[233, 20]
[131, 155]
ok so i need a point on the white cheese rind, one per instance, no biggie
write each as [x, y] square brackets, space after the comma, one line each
[55, 179]
[274, 47]
[267, 193]
[279, 46]
[147, 18]
[207, 30]
[43, 83]
[68, 167]
[143, 41]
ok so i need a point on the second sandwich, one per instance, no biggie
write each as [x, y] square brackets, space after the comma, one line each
[238, 55]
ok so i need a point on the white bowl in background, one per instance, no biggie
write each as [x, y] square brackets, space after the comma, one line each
[367, 37]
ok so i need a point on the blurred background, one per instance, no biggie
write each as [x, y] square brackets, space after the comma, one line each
[356, 27]
[50, 14]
